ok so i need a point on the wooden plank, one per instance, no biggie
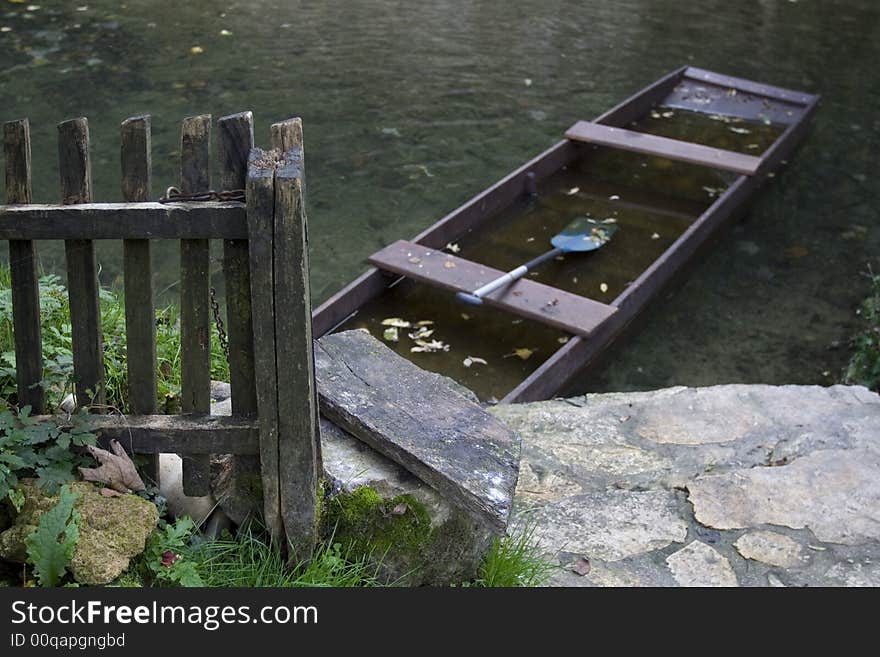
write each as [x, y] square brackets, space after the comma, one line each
[673, 149]
[756, 88]
[140, 298]
[287, 135]
[75, 168]
[260, 211]
[525, 297]
[299, 439]
[155, 434]
[235, 139]
[23, 272]
[416, 419]
[195, 318]
[116, 221]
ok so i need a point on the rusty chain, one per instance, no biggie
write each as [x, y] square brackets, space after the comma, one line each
[173, 195]
[221, 329]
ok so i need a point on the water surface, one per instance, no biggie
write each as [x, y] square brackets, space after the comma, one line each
[410, 109]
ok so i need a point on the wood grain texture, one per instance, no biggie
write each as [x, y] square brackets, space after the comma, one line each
[673, 149]
[417, 420]
[261, 211]
[195, 318]
[299, 441]
[116, 221]
[74, 164]
[235, 140]
[23, 272]
[140, 298]
[524, 297]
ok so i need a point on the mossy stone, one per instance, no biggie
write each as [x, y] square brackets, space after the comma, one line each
[112, 530]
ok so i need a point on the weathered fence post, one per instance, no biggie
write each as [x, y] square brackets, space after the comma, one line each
[299, 445]
[23, 272]
[82, 276]
[234, 143]
[260, 217]
[195, 326]
[140, 300]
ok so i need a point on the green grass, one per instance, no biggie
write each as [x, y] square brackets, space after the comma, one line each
[864, 365]
[57, 345]
[250, 560]
[515, 560]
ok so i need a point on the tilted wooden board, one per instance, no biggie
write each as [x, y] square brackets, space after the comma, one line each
[673, 149]
[525, 297]
[418, 420]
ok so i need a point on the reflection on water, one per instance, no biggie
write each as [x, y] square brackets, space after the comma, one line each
[410, 109]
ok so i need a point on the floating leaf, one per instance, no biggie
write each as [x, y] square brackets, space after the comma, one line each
[523, 353]
[655, 236]
[614, 197]
[563, 339]
[396, 322]
[453, 247]
[753, 147]
[470, 360]
[196, 50]
[572, 191]
[225, 33]
[425, 322]
[667, 115]
[422, 333]
[465, 316]
[391, 334]
[527, 82]
[740, 131]
[603, 287]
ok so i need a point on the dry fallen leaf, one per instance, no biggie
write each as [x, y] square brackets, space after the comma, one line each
[400, 509]
[603, 287]
[563, 339]
[425, 322]
[470, 360]
[581, 566]
[655, 236]
[573, 191]
[116, 470]
[523, 353]
[396, 322]
[391, 334]
[449, 264]
[196, 50]
[740, 131]
[453, 247]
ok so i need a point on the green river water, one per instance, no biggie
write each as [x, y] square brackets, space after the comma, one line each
[410, 109]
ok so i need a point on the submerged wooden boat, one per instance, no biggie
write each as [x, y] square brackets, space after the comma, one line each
[670, 165]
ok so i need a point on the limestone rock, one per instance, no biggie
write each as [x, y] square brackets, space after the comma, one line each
[377, 504]
[112, 530]
[771, 548]
[610, 525]
[835, 493]
[697, 564]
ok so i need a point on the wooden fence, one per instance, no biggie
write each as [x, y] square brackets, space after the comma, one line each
[265, 266]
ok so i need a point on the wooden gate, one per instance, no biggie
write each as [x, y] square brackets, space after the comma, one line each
[260, 216]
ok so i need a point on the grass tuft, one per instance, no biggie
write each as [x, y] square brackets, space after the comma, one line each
[515, 560]
[864, 365]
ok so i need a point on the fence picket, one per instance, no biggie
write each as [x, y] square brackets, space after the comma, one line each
[299, 443]
[140, 300]
[260, 212]
[75, 167]
[23, 272]
[195, 327]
